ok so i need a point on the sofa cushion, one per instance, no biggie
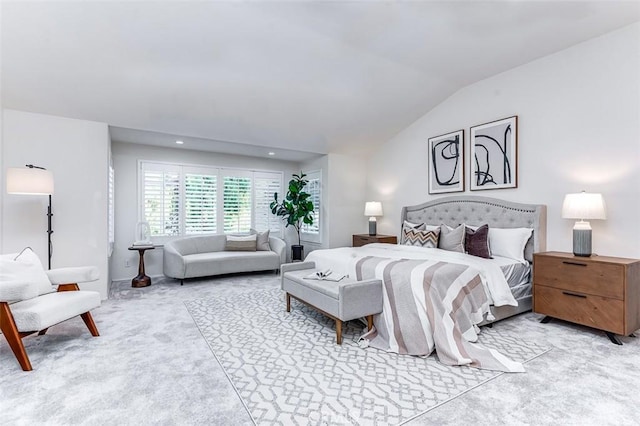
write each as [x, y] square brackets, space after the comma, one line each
[50, 309]
[226, 262]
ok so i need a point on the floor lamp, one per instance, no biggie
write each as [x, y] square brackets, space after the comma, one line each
[33, 180]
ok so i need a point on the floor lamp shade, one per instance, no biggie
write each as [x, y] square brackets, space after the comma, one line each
[33, 180]
[26, 181]
[373, 209]
[583, 206]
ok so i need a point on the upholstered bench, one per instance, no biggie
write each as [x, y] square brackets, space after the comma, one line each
[343, 300]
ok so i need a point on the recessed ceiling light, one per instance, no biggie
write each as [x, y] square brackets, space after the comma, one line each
[179, 142]
[272, 153]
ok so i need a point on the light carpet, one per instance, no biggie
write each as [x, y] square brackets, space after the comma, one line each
[287, 368]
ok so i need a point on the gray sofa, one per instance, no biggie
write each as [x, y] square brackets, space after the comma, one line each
[205, 255]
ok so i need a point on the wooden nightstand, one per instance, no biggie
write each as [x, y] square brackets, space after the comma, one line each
[361, 239]
[599, 291]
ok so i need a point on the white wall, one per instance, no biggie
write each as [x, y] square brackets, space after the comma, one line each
[125, 162]
[579, 129]
[347, 183]
[76, 152]
[343, 197]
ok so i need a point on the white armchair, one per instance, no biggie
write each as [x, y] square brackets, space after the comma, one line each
[29, 303]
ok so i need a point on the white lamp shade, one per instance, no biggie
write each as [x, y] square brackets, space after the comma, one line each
[29, 181]
[373, 208]
[583, 206]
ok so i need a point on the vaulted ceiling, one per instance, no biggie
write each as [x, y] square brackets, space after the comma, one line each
[288, 77]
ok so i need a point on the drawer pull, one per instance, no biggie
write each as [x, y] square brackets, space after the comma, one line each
[582, 296]
[574, 263]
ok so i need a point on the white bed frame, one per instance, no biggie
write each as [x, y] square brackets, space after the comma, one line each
[471, 210]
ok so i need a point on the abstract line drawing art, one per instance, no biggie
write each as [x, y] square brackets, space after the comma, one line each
[494, 154]
[446, 163]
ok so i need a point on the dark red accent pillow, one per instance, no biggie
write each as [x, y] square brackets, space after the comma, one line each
[476, 243]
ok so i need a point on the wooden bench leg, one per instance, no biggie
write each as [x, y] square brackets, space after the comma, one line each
[10, 331]
[288, 302]
[338, 331]
[369, 322]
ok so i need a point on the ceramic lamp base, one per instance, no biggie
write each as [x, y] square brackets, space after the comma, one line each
[582, 242]
[373, 227]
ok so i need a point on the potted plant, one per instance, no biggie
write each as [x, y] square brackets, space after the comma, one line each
[296, 209]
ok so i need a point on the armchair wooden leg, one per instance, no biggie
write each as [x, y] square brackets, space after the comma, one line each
[88, 320]
[10, 331]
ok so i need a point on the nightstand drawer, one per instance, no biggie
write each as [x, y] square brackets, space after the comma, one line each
[582, 276]
[571, 305]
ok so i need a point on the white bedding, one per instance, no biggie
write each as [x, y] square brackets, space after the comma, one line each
[339, 260]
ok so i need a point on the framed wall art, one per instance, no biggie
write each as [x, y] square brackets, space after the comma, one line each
[446, 163]
[494, 155]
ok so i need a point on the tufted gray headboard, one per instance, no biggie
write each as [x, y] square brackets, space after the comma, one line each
[497, 213]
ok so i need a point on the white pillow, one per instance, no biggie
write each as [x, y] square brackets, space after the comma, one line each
[25, 266]
[431, 227]
[509, 242]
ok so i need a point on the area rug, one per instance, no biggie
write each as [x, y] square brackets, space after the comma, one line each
[288, 370]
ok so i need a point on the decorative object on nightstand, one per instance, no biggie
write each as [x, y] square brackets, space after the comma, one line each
[373, 209]
[600, 291]
[33, 180]
[358, 240]
[583, 206]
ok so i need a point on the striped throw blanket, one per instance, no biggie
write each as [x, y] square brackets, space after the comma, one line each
[430, 305]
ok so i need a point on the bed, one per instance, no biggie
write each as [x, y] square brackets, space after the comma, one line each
[503, 300]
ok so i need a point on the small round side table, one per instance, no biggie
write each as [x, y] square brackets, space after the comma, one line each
[141, 280]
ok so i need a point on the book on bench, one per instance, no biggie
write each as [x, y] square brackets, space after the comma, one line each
[324, 275]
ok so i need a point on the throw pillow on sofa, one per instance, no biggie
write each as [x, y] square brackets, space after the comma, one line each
[241, 243]
[262, 240]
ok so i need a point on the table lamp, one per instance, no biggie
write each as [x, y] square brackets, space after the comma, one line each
[373, 209]
[583, 206]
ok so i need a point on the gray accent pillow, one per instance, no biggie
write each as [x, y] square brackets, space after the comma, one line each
[452, 239]
[241, 243]
[262, 240]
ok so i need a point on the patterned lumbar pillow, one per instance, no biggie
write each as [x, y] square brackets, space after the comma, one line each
[452, 239]
[416, 237]
[241, 243]
[476, 242]
[410, 225]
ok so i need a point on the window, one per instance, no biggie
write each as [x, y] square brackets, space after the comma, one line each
[200, 198]
[265, 185]
[314, 187]
[237, 203]
[187, 200]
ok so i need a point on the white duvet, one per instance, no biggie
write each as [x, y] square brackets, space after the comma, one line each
[493, 280]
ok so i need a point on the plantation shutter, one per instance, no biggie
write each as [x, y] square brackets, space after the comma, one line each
[200, 201]
[314, 187]
[265, 185]
[161, 198]
[237, 201]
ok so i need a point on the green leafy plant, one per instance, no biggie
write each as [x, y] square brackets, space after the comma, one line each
[296, 208]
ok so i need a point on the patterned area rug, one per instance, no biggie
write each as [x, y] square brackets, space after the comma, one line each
[287, 368]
